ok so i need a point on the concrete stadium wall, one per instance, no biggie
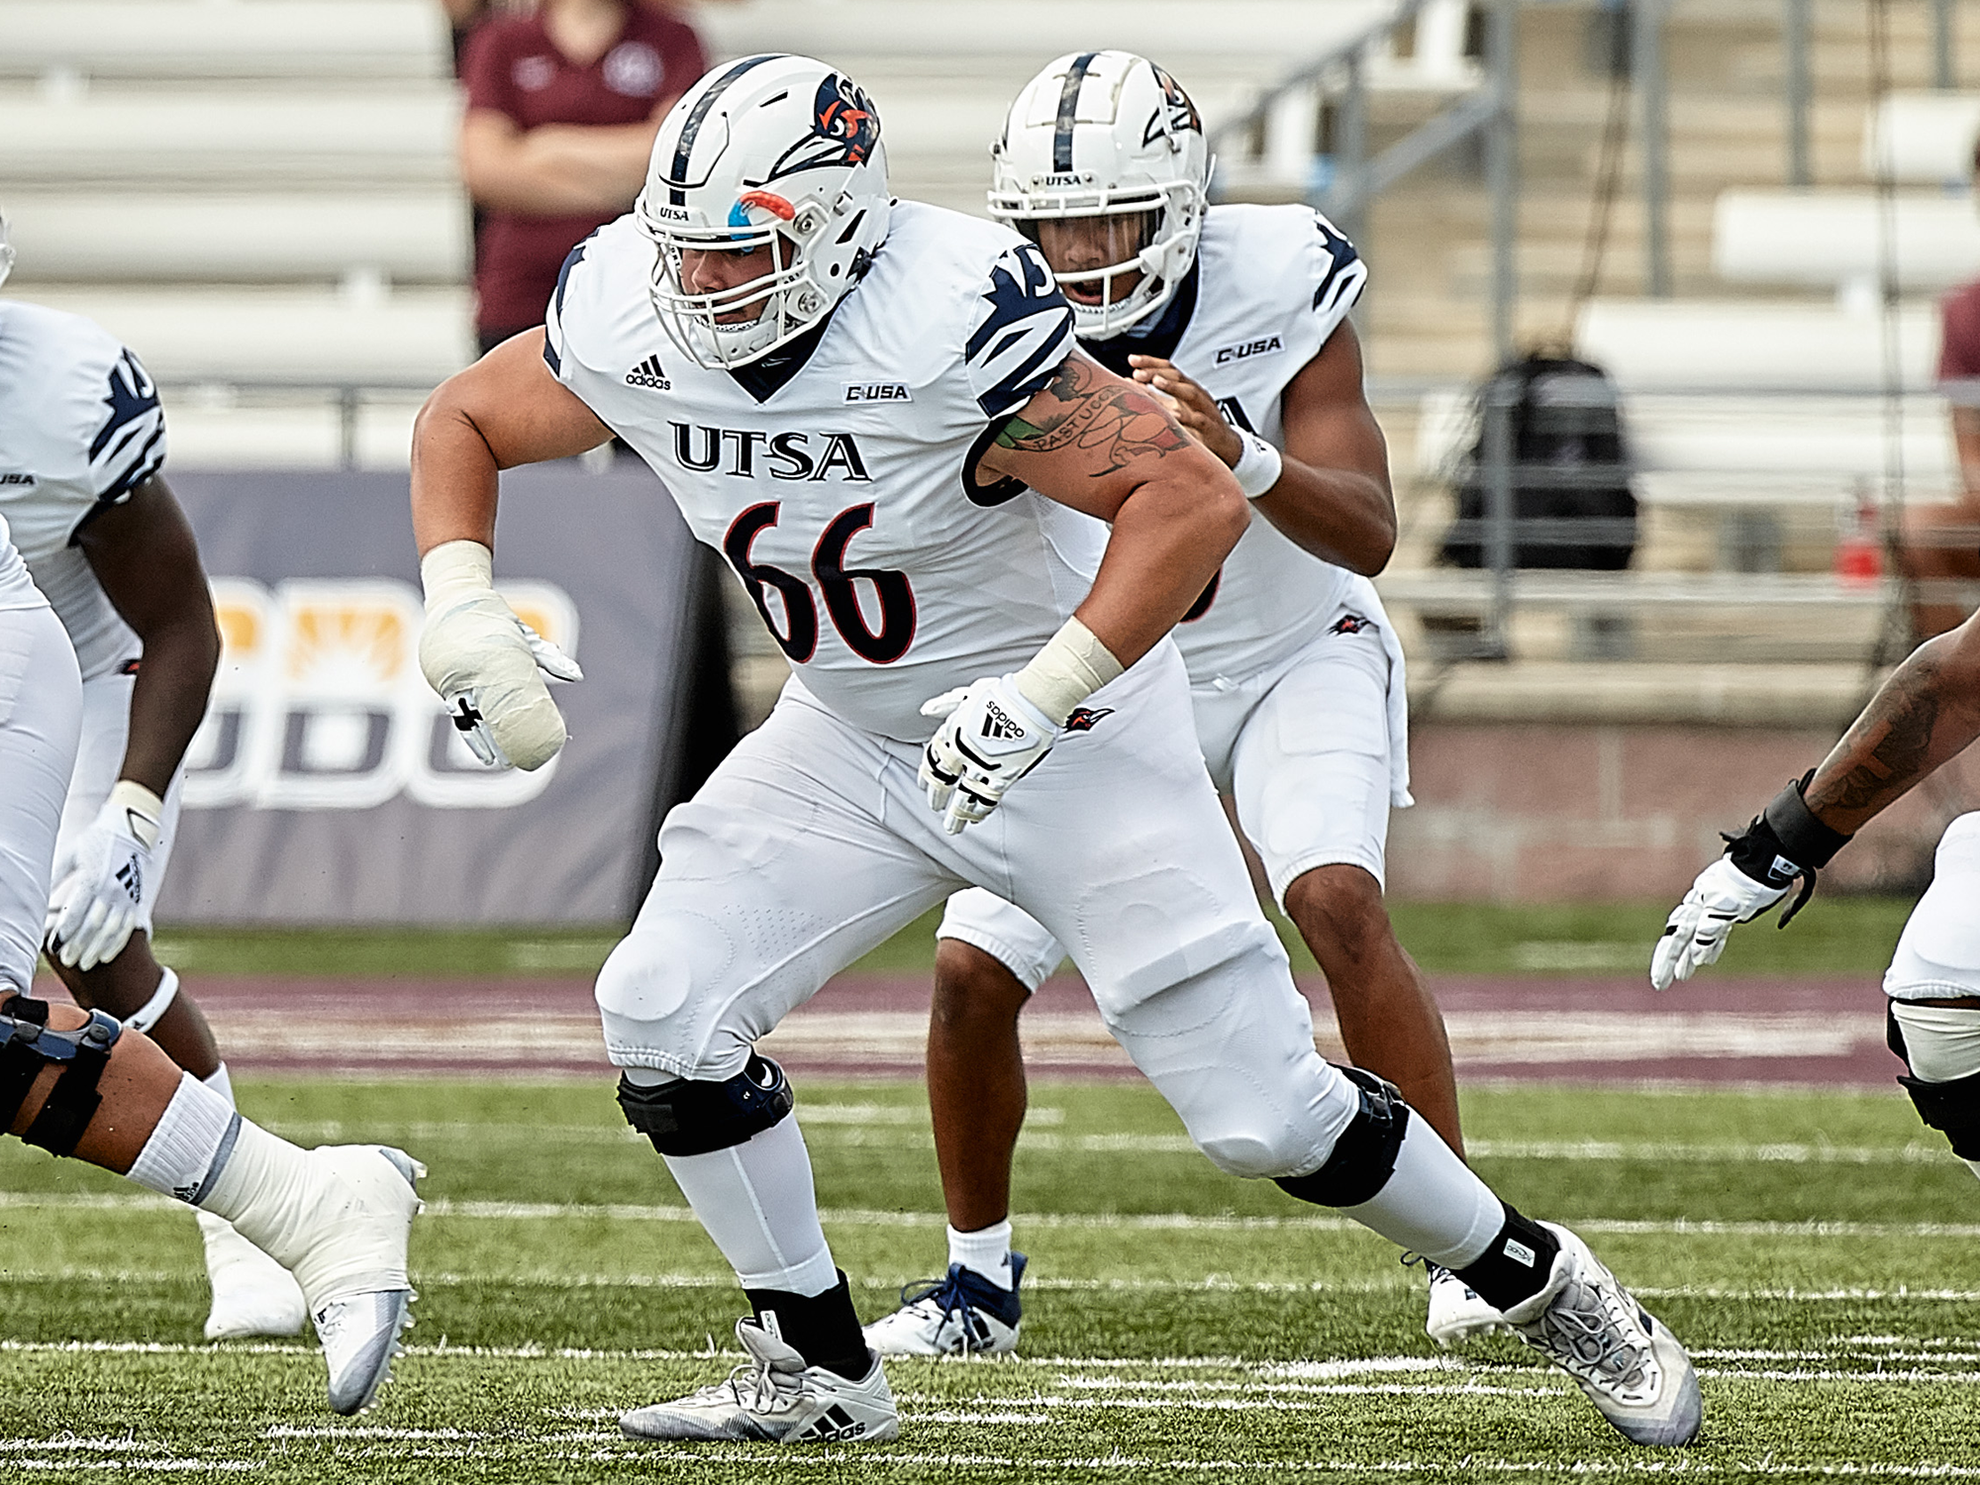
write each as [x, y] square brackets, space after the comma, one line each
[1528, 813]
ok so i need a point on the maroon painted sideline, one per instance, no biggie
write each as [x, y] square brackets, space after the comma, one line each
[1823, 1031]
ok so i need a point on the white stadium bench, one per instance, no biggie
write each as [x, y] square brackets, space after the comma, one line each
[1833, 239]
[232, 141]
[186, 237]
[1923, 138]
[1744, 345]
[410, 338]
[361, 40]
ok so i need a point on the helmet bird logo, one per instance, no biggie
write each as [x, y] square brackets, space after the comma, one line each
[1177, 115]
[844, 129]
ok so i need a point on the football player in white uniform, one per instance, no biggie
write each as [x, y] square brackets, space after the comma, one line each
[1927, 713]
[877, 412]
[79, 1082]
[1238, 316]
[82, 441]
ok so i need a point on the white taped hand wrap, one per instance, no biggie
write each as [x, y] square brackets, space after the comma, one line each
[486, 664]
[1258, 468]
[1071, 667]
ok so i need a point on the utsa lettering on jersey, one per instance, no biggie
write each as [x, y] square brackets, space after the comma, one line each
[948, 615]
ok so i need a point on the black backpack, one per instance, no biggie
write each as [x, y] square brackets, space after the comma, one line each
[1572, 505]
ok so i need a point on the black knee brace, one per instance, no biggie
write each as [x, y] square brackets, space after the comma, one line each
[30, 1046]
[1951, 1108]
[693, 1118]
[1365, 1155]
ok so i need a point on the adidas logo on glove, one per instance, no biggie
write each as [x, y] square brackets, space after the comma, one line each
[997, 723]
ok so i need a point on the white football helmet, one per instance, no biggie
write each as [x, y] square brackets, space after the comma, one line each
[6, 250]
[1106, 134]
[777, 151]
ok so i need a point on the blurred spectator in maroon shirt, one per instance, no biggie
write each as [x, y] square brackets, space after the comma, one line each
[562, 107]
[1942, 542]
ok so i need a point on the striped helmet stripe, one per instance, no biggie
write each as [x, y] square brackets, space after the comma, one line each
[1062, 138]
[677, 178]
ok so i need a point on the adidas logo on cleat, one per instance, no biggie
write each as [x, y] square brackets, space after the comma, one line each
[649, 373]
[833, 1424]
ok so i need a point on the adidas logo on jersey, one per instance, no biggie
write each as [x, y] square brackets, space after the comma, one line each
[1263, 347]
[649, 374]
[997, 723]
[879, 392]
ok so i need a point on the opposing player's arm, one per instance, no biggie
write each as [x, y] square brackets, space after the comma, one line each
[143, 554]
[1102, 445]
[1332, 495]
[506, 409]
[1925, 714]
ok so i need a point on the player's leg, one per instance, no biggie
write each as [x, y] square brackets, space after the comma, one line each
[78, 1084]
[1158, 914]
[976, 1095]
[779, 872]
[251, 1293]
[1934, 985]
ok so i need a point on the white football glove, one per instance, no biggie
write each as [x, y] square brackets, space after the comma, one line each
[990, 738]
[488, 665]
[100, 882]
[1696, 934]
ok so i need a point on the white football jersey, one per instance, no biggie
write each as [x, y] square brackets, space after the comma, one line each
[1272, 283]
[17, 589]
[80, 428]
[841, 497]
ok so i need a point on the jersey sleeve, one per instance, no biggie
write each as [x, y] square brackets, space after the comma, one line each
[1338, 275]
[1020, 332]
[127, 442]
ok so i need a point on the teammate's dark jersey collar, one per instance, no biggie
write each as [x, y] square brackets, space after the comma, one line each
[1161, 340]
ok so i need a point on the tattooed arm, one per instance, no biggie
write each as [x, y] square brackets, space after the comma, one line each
[1926, 713]
[1108, 448]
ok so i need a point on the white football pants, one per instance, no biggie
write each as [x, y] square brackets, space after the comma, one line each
[1314, 750]
[813, 842]
[40, 722]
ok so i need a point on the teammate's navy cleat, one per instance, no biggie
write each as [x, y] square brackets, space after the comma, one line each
[1632, 1368]
[774, 1398]
[963, 1314]
[1457, 1312]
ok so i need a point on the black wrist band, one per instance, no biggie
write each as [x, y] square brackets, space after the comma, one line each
[1805, 840]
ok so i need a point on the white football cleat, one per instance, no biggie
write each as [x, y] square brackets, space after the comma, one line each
[252, 1293]
[1457, 1314]
[963, 1314]
[1632, 1368]
[774, 1398]
[356, 1217]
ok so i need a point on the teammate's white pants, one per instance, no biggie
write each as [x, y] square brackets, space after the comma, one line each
[40, 722]
[1938, 958]
[106, 733]
[1314, 752]
[813, 842]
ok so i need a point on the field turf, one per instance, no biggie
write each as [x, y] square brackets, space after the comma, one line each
[1815, 1248]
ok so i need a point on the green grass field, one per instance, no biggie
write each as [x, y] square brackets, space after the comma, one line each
[1817, 1251]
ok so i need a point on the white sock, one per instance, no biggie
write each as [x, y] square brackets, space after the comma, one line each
[756, 1201]
[189, 1141]
[986, 1251]
[221, 1084]
[1433, 1204]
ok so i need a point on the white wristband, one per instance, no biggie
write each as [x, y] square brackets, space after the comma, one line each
[1258, 468]
[1071, 667]
[455, 570]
